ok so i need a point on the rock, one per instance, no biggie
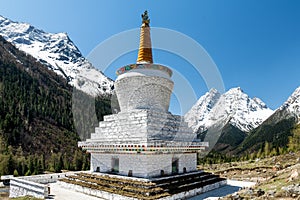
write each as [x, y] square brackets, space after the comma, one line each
[235, 196]
[292, 189]
[260, 192]
[294, 195]
[294, 175]
[277, 167]
[271, 193]
[249, 192]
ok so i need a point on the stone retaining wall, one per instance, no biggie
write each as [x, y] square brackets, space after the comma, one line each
[93, 192]
[195, 192]
[36, 186]
[45, 178]
[20, 187]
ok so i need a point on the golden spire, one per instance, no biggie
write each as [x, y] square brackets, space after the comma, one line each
[145, 50]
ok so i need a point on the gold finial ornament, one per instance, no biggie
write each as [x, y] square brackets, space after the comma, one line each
[145, 18]
[145, 49]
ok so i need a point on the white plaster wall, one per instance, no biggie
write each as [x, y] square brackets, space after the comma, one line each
[101, 160]
[144, 92]
[189, 161]
[143, 165]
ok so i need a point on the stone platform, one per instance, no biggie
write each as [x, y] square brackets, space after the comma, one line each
[109, 186]
[143, 127]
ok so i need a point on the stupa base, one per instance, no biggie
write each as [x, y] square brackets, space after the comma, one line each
[144, 165]
[110, 186]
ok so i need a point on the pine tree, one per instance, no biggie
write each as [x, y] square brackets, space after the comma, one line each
[77, 161]
[59, 165]
[253, 156]
[42, 163]
[66, 162]
[294, 140]
[267, 149]
[15, 173]
[259, 154]
[30, 165]
[10, 164]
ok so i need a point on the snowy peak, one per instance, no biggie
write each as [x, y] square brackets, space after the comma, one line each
[293, 103]
[259, 102]
[246, 113]
[208, 101]
[237, 100]
[234, 107]
[58, 53]
[202, 108]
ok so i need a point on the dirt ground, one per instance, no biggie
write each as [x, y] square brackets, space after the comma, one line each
[277, 177]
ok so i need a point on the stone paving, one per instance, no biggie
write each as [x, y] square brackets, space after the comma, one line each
[59, 193]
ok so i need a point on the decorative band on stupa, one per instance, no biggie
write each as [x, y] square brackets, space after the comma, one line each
[127, 68]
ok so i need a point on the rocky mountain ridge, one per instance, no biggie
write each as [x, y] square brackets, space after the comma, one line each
[58, 53]
[233, 107]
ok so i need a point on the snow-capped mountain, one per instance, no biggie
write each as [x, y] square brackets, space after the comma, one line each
[292, 105]
[233, 107]
[278, 129]
[59, 53]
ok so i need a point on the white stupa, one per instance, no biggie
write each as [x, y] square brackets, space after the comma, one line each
[144, 139]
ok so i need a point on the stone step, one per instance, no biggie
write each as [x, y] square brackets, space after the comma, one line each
[155, 188]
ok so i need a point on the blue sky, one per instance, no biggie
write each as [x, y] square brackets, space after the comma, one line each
[254, 43]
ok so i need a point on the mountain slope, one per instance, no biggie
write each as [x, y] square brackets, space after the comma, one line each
[35, 103]
[37, 130]
[59, 53]
[292, 105]
[277, 129]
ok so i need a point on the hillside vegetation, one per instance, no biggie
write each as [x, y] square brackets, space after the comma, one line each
[37, 131]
